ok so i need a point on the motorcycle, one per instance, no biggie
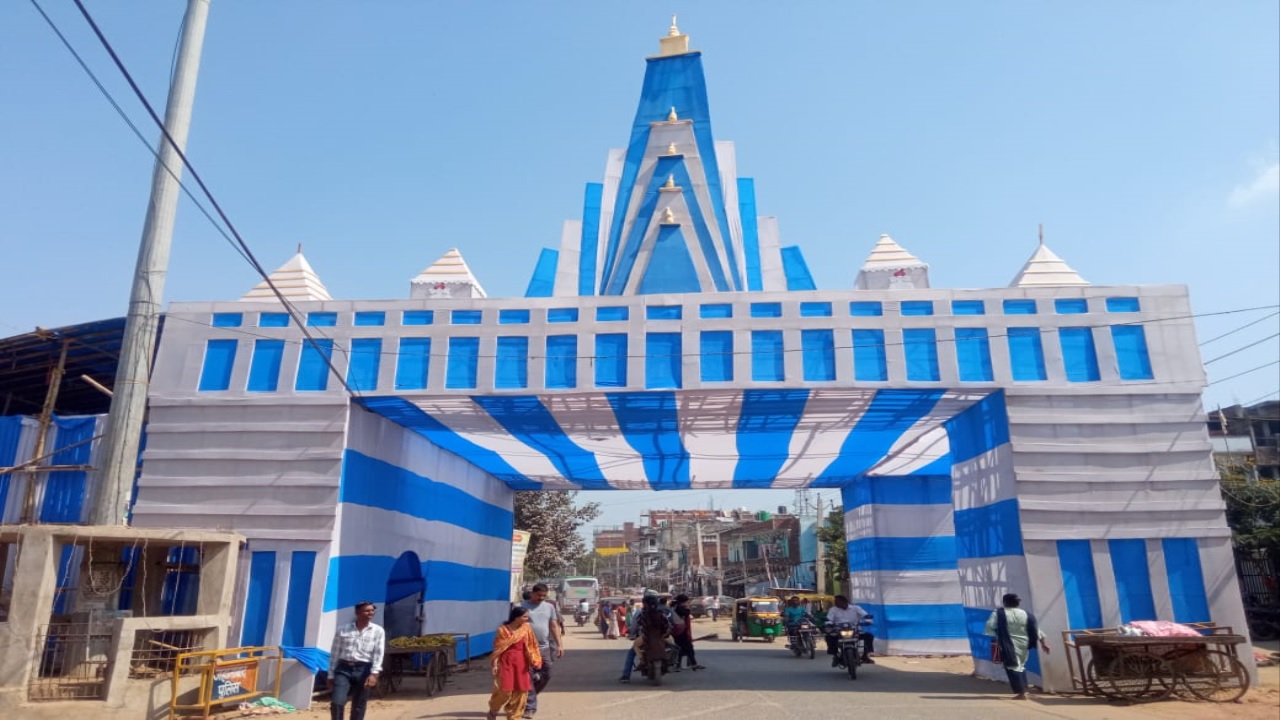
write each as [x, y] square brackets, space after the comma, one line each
[654, 669]
[849, 646]
[580, 617]
[801, 639]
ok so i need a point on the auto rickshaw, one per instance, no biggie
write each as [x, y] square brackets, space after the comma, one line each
[756, 617]
[818, 606]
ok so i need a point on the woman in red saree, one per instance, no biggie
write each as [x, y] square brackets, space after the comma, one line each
[515, 653]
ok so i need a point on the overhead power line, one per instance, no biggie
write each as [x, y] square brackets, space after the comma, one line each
[1246, 372]
[1241, 349]
[1242, 327]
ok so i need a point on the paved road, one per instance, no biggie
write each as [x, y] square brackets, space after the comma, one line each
[754, 680]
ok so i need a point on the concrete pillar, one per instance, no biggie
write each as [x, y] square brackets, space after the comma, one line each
[34, 584]
[218, 584]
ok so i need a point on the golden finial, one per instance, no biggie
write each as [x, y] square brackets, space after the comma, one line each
[668, 217]
[671, 116]
[671, 149]
[674, 31]
[671, 181]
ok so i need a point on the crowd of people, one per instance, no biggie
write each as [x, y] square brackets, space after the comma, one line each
[532, 638]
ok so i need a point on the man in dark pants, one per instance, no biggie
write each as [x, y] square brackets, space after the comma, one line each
[544, 618]
[355, 661]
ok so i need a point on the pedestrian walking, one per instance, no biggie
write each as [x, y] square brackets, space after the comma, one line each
[544, 619]
[355, 661]
[515, 656]
[683, 633]
[1015, 634]
[713, 607]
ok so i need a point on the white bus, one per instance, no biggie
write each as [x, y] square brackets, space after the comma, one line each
[577, 589]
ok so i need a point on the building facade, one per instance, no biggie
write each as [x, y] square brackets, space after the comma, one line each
[1046, 438]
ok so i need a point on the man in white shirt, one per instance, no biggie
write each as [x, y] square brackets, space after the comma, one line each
[853, 615]
[355, 661]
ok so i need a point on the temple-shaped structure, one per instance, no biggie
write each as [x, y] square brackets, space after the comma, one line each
[1045, 438]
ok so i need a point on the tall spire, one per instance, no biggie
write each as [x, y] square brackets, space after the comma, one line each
[448, 277]
[1044, 268]
[295, 280]
[675, 43]
[890, 267]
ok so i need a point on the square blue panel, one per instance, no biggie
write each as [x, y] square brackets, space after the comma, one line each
[818, 348]
[322, 319]
[370, 318]
[973, 355]
[511, 367]
[612, 314]
[1123, 304]
[611, 360]
[363, 363]
[917, 307]
[513, 317]
[1019, 307]
[766, 310]
[920, 348]
[412, 363]
[418, 317]
[462, 363]
[663, 312]
[715, 311]
[716, 356]
[815, 309]
[968, 307]
[1026, 354]
[866, 308]
[869, 363]
[313, 366]
[228, 319]
[1079, 355]
[562, 315]
[663, 361]
[219, 359]
[1132, 359]
[264, 367]
[768, 361]
[561, 370]
[1071, 306]
[273, 320]
[466, 317]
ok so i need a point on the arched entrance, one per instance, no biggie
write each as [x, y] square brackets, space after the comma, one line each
[406, 589]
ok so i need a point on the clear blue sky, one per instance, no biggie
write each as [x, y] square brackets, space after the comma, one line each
[1145, 136]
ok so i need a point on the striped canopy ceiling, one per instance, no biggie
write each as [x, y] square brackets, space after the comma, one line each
[689, 439]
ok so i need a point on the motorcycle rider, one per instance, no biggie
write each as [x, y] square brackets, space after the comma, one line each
[584, 611]
[843, 612]
[792, 615]
[650, 629]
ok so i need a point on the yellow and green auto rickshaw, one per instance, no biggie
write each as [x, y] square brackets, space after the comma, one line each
[818, 605]
[756, 617]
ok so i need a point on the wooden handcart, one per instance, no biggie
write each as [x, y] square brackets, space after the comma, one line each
[1144, 669]
[431, 664]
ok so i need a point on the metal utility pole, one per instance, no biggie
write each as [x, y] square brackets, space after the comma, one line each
[819, 565]
[133, 375]
[702, 561]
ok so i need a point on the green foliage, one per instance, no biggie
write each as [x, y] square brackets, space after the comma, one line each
[1253, 510]
[553, 519]
[589, 564]
[831, 535]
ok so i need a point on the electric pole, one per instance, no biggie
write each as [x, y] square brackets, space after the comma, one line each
[133, 375]
[819, 565]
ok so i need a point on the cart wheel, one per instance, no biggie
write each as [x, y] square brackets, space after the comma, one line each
[1133, 676]
[440, 673]
[1219, 678]
[390, 679]
[1091, 686]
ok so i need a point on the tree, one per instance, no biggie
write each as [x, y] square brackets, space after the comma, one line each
[1253, 510]
[588, 564]
[553, 520]
[831, 535]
